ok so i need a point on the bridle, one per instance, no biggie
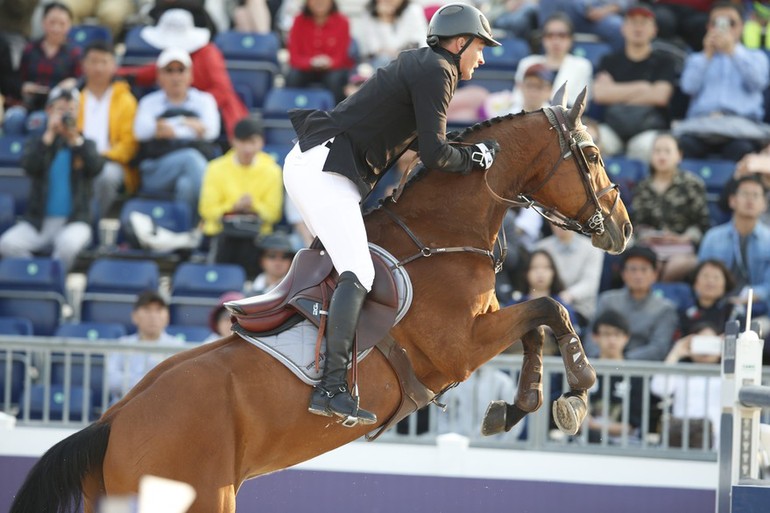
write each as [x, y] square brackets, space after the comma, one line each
[571, 148]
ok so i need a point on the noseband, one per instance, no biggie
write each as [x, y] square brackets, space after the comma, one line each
[594, 225]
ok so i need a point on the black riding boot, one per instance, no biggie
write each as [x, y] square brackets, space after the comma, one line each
[332, 396]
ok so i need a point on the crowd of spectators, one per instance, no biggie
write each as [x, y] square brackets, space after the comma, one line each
[681, 80]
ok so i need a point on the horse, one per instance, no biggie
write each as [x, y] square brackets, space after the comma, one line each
[219, 414]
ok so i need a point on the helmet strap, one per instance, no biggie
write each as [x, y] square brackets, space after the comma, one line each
[459, 54]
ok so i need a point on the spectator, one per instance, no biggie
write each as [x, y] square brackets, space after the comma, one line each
[695, 398]
[540, 278]
[9, 76]
[711, 285]
[220, 320]
[535, 91]
[635, 86]
[652, 320]
[252, 16]
[611, 335]
[725, 83]
[175, 29]
[106, 116]
[515, 17]
[557, 42]
[579, 265]
[743, 243]
[670, 212]
[241, 196]
[110, 13]
[318, 46]
[468, 401]
[205, 14]
[48, 61]
[16, 17]
[758, 163]
[682, 22]
[276, 255]
[600, 17]
[175, 127]
[61, 165]
[387, 28]
[150, 316]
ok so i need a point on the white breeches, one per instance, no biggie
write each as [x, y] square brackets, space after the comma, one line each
[329, 205]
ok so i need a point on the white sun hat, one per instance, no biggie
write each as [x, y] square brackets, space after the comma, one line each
[175, 29]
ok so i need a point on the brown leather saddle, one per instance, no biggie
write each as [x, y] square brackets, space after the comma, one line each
[304, 293]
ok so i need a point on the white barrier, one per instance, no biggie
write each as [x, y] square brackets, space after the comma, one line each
[743, 398]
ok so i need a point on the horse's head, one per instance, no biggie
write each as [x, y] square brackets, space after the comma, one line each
[576, 193]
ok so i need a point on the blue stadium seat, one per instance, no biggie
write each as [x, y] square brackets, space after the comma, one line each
[195, 290]
[172, 215]
[626, 172]
[138, 51]
[7, 211]
[248, 47]
[78, 396]
[91, 330]
[11, 148]
[19, 187]
[714, 173]
[111, 289]
[251, 85]
[15, 326]
[32, 288]
[278, 129]
[591, 50]
[188, 333]
[504, 58]
[83, 35]
[679, 293]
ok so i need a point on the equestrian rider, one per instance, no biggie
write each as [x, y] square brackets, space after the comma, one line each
[342, 154]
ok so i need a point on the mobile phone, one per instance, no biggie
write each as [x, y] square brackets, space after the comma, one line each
[706, 344]
[722, 23]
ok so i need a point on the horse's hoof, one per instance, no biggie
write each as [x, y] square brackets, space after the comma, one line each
[568, 413]
[494, 418]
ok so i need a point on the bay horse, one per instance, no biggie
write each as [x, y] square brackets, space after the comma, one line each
[225, 412]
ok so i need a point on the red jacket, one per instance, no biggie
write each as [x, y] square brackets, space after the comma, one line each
[210, 75]
[306, 40]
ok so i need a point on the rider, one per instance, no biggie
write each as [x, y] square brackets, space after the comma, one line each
[342, 154]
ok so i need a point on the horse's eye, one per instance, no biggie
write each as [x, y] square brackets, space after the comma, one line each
[593, 158]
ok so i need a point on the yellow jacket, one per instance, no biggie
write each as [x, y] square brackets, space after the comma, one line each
[226, 181]
[123, 144]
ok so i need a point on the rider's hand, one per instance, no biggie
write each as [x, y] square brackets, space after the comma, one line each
[483, 154]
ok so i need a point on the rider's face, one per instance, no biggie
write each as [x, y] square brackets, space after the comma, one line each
[472, 57]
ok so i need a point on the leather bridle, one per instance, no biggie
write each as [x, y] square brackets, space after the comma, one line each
[567, 140]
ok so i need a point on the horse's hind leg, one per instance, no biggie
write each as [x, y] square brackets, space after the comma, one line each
[501, 416]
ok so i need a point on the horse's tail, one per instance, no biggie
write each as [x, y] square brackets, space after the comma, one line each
[55, 483]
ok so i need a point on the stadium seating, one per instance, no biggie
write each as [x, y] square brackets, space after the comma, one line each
[715, 175]
[500, 62]
[252, 63]
[626, 172]
[32, 288]
[278, 151]
[79, 401]
[91, 330]
[138, 51]
[83, 35]
[17, 185]
[195, 290]
[11, 148]
[111, 289]
[188, 333]
[15, 326]
[251, 85]
[169, 214]
[679, 293]
[12, 394]
[278, 129]
[591, 50]
[7, 211]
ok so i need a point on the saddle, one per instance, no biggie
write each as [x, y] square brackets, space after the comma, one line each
[305, 292]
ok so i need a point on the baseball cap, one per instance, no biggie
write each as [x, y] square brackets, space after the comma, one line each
[170, 55]
[640, 10]
[248, 126]
[540, 71]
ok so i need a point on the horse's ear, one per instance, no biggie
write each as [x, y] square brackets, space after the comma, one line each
[559, 97]
[576, 112]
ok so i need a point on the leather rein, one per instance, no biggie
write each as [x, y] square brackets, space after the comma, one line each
[594, 224]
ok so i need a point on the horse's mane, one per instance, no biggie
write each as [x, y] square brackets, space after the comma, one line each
[421, 170]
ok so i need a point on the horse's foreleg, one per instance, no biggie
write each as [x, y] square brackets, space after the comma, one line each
[501, 416]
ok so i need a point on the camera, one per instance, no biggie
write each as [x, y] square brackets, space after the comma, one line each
[706, 345]
[68, 120]
[722, 23]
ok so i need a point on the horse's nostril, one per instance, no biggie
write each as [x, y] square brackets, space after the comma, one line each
[628, 230]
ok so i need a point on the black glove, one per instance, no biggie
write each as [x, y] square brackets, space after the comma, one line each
[483, 154]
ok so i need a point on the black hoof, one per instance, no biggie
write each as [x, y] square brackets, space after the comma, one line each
[494, 418]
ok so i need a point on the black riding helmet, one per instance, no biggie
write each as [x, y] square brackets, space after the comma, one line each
[459, 20]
